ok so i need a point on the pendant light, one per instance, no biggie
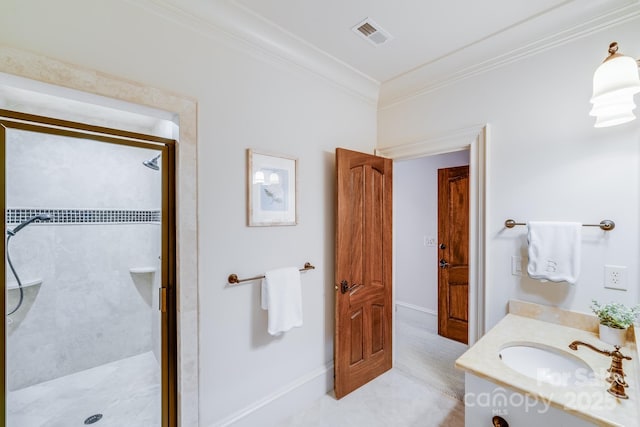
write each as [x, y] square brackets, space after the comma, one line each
[614, 84]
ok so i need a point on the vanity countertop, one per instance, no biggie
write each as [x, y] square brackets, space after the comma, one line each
[591, 402]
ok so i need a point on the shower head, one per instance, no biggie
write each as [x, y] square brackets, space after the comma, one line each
[23, 224]
[152, 163]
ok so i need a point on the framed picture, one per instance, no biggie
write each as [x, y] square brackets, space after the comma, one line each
[272, 189]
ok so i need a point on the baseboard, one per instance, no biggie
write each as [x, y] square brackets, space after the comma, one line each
[287, 401]
[417, 316]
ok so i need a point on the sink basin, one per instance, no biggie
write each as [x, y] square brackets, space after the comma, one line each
[547, 365]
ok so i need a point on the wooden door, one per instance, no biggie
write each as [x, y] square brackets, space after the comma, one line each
[453, 251]
[362, 345]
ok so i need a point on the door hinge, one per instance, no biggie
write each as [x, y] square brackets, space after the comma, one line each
[163, 300]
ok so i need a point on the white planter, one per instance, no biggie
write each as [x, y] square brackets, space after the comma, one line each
[613, 336]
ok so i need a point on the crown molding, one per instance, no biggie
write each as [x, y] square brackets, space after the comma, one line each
[232, 23]
[229, 22]
[423, 80]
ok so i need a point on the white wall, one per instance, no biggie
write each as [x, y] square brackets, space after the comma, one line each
[415, 195]
[245, 99]
[545, 162]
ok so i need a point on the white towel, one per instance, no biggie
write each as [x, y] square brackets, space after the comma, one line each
[554, 251]
[282, 297]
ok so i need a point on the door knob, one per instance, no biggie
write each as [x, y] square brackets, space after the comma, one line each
[499, 422]
[443, 246]
[443, 263]
[344, 286]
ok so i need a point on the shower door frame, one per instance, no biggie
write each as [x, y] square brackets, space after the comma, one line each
[168, 291]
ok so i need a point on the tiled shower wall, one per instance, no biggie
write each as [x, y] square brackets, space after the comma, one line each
[90, 308]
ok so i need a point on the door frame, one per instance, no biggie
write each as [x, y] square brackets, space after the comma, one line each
[168, 284]
[47, 76]
[475, 139]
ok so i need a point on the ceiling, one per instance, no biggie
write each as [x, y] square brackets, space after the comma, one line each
[426, 33]
[433, 43]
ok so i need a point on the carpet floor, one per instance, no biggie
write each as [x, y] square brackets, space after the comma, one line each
[427, 356]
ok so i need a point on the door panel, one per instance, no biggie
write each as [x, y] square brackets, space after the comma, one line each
[354, 226]
[458, 306]
[377, 328]
[99, 272]
[453, 234]
[357, 337]
[363, 269]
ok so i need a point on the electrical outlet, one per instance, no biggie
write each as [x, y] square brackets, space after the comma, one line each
[428, 240]
[516, 265]
[615, 277]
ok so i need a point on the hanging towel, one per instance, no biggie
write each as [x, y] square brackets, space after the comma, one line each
[554, 251]
[282, 297]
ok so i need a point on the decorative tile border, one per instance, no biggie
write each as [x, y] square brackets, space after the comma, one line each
[84, 216]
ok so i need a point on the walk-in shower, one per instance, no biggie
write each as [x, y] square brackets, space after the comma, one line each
[84, 330]
[10, 234]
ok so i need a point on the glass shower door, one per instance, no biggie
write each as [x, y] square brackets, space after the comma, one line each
[83, 249]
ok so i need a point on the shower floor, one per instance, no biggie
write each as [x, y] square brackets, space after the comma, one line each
[126, 392]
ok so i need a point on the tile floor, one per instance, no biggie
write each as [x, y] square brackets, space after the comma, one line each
[125, 392]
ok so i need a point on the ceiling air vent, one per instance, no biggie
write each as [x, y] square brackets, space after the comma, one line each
[372, 32]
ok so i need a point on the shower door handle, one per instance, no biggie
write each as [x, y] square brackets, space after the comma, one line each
[162, 304]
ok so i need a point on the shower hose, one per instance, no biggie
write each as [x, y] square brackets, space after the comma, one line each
[13, 270]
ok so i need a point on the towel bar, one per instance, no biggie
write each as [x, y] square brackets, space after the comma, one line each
[233, 278]
[605, 224]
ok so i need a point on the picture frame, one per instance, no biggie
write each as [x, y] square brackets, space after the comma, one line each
[272, 189]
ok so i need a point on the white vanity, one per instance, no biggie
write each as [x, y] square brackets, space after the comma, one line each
[486, 399]
[524, 372]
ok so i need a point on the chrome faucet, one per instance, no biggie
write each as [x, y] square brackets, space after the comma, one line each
[616, 374]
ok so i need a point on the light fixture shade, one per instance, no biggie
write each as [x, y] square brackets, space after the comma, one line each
[614, 83]
[606, 120]
[616, 76]
[613, 109]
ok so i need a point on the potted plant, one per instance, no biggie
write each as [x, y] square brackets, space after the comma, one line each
[615, 319]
